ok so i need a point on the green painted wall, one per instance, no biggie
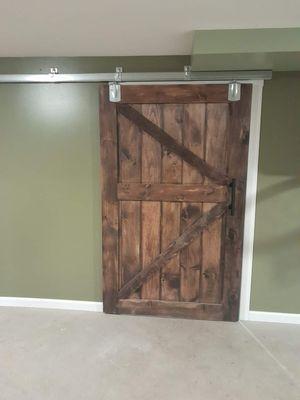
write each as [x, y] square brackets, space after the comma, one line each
[35, 65]
[276, 268]
[224, 41]
[49, 177]
[277, 49]
[49, 199]
[289, 61]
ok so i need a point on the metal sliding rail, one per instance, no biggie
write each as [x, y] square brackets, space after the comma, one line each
[138, 77]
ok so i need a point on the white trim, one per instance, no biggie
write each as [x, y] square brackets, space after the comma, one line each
[51, 303]
[264, 316]
[249, 224]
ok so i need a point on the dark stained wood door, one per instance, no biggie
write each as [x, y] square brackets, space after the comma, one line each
[173, 167]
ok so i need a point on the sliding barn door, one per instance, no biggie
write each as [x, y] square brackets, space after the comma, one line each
[174, 161]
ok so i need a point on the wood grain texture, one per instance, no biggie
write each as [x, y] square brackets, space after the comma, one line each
[174, 192]
[189, 234]
[151, 211]
[190, 257]
[174, 94]
[172, 145]
[129, 258]
[217, 117]
[212, 312]
[110, 214]
[130, 211]
[239, 129]
[170, 219]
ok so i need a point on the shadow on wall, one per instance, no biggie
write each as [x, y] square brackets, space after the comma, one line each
[276, 268]
[278, 188]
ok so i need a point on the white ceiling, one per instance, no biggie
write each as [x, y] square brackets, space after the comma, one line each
[128, 27]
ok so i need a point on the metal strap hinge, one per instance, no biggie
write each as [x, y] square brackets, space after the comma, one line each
[187, 72]
[115, 87]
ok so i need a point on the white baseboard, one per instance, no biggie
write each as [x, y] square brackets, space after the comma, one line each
[51, 303]
[263, 316]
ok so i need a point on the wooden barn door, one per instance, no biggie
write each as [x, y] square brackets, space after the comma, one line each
[174, 161]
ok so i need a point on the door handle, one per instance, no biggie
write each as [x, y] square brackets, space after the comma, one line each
[232, 187]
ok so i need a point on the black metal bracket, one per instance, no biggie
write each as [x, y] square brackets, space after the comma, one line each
[232, 187]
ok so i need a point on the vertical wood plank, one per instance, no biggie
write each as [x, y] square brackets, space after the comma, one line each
[109, 180]
[240, 113]
[151, 211]
[170, 221]
[130, 211]
[215, 155]
[190, 258]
